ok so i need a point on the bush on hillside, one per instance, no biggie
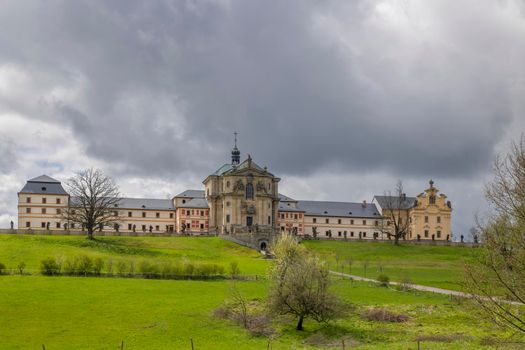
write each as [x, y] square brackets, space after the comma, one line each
[3, 270]
[21, 266]
[383, 315]
[98, 265]
[49, 267]
[383, 280]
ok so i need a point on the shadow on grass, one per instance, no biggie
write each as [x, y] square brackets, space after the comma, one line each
[115, 246]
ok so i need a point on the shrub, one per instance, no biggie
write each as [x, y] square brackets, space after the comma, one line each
[110, 267]
[84, 265]
[3, 270]
[383, 315]
[49, 267]
[21, 266]
[98, 265]
[234, 270]
[383, 280]
[121, 268]
[188, 269]
[149, 270]
[69, 266]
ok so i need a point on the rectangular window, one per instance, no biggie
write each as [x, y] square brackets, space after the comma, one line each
[315, 220]
[43, 225]
[130, 214]
[269, 220]
[143, 214]
[364, 222]
[44, 200]
[28, 210]
[73, 225]
[339, 233]
[43, 210]
[157, 228]
[295, 216]
[58, 200]
[171, 215]
[143, 227]
[327, 221]
[58, 224]
[426, 219]
[130, 227]
[351, 233]
[28, 224]
[351, 222]
[364, 234]
[28, 200]
[228, 218]
[59, 211]
[377, 223]
[202, 212]
[438, 234]
[157, 215]
[439, 219]
[202, 226]
[426, 233]
[339, 221]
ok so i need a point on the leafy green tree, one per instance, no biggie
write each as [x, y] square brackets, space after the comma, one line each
[300, 284]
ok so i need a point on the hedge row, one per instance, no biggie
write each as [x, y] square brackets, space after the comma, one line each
[84, 265]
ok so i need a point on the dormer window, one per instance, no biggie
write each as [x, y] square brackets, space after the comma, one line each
[183, 201]
[44, 189]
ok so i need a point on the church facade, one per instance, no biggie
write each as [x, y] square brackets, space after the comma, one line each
[240, 197]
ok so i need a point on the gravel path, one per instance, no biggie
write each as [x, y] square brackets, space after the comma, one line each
[417, 287]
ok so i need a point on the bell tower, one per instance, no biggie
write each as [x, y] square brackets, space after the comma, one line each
[236, 154]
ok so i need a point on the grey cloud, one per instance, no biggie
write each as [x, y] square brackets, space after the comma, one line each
[166, 82]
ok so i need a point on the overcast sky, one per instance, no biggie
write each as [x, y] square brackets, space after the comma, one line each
[338, 98]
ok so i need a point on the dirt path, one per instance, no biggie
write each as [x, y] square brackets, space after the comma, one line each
[417, 287]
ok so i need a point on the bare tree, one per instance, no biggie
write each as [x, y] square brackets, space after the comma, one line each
[497, 278]
[300, 283]
[93, 203]
[395, 221]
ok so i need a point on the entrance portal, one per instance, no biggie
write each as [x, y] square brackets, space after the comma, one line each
[263, 246]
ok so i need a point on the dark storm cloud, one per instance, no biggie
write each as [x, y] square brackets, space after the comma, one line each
[161, 85]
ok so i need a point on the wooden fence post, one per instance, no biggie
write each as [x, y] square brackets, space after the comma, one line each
[192, 348]
[43, 347]
[343, 341]
[122, 345]
[419, 345]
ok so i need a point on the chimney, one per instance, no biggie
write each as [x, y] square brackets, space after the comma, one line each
[364, 204]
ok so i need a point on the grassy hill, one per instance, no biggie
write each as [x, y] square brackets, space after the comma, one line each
[436, 266]
[31, 249]
[98, 312]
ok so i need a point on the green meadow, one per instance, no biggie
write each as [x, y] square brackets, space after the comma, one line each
[430, 265]
[101, 312]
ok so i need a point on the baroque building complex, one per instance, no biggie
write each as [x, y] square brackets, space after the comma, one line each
[244, 197]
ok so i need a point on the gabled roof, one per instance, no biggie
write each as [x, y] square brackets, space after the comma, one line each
[343, 209]
[43, 185]
[287, 207]
[192, 194]
[44, 178]
[200, 203]
[138, 203]
[394, 202]
[223, 169]
[284, 198]
[146, 203]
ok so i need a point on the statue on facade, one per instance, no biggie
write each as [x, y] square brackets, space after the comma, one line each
[134, 228]
[150, 228]
[239, 186]
[261, 188]
[183, 228]
[47, 226]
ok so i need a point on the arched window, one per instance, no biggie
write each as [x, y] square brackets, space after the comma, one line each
[249, 191]
[432, 199]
